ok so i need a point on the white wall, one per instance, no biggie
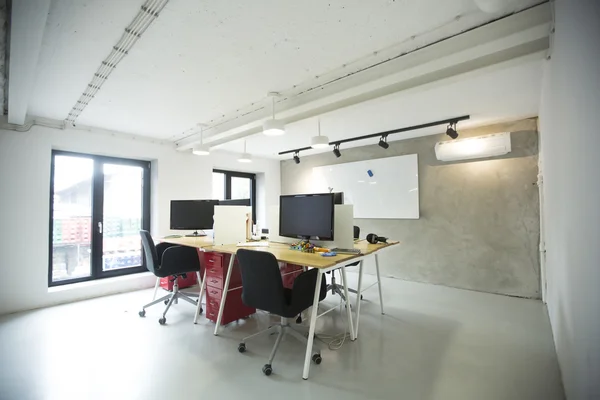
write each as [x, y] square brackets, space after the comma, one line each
[570, 133]
[24, 205]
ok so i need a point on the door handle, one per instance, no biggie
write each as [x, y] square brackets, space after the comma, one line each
[100, 227]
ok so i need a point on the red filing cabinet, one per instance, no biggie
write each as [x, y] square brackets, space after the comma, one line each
[216, 265]
[289, 272]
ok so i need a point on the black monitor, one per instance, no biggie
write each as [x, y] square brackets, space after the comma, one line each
[338, 198]
[192, 214]
[236, 202]
[307, 216]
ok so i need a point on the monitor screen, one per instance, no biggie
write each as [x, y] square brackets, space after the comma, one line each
[192, 214]
[307, 216]
[237, 202]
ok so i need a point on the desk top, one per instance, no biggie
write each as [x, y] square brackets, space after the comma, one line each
[282, 252]
[367, 248]
[199, 242]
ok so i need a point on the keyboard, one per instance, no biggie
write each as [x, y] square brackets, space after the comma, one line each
[253, 244]
[345, 251]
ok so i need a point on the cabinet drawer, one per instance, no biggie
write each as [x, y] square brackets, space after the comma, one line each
[215, 282]
[213, 260]
[214, 271]
[212, 308]
[213, 293]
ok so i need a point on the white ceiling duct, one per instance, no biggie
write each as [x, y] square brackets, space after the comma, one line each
[149, 11]
[493, 6]
[475, 147]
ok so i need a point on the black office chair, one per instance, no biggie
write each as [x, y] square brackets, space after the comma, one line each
[262, 288]
[170, 260]
[339, 289]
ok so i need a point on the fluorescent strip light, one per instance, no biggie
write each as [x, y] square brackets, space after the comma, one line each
[476, 147]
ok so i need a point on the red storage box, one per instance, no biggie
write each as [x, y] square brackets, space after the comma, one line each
[234, 306]
[189, 280]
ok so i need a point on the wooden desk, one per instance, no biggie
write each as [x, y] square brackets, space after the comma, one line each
[199, 242]
[283, 253]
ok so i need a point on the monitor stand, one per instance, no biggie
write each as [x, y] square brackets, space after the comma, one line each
[196, 234]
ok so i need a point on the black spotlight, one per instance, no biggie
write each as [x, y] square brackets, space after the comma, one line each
[383, 142]
[336, 150]
[451, 131]
[297, 157]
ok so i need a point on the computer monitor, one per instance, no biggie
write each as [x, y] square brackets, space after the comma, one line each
[338, 198]
[236, 202]
[192, 214]
[307, 216]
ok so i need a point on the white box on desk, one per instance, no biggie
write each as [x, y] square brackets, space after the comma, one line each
[230, 224]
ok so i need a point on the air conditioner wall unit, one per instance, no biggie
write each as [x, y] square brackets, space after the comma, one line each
[493, 145]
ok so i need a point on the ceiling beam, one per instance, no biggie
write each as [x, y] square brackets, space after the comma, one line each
[27, 25]
[509, 38]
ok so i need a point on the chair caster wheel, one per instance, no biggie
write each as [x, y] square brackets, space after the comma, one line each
[361, 297]
[299, 319]
[317, 358]
[242, 347]
[142, 313]
[201, 310]
[162, 321]
[166, 302]
[267, 370]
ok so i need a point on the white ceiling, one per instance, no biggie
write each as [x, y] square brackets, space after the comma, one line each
[496, 94]
[201, 60]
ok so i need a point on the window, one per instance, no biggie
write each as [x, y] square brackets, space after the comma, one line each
[230, 185]
[97, 207]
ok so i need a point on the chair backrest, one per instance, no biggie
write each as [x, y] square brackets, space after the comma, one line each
[149, 251]
[262, 286]
[356, 232]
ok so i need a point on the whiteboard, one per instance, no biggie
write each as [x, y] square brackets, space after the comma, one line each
[392, 192]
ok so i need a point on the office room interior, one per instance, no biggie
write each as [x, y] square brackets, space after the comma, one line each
[319, 199]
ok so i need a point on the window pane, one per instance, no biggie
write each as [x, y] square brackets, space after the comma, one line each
[218, 186]
[71, 218]
[123, 189]
[240, 188]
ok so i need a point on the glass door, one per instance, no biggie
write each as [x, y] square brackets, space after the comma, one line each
[71, 235]
[99, 205]
[122, 216]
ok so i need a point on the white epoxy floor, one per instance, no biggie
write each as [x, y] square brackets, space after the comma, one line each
[433, 343]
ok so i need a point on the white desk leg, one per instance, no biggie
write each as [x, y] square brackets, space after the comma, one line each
[199, 306]
[313, 323]
[155, 288]
[379, 282]
[348, 308]
[360, 275]
[224, 297]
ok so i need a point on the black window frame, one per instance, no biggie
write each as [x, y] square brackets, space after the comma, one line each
[97, 206]
[251, 176]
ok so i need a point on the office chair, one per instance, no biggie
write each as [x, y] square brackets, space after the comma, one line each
[262, 288]
[339, 289]
[169, 260]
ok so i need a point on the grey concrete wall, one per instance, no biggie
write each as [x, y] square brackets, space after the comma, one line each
[479, 223]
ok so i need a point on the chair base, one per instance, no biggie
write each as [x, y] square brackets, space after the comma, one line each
[283, 327]
[169, 299]
[339, 289]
